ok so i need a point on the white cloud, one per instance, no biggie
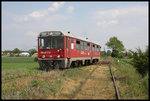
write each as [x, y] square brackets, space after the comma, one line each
[55, 6]
[70, 9]
[38, 14]
[117, 12]
[122, 15]
[107, 23]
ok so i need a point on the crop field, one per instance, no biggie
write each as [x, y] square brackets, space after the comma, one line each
[21, 79]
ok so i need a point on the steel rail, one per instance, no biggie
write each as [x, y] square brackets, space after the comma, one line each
[115, 86]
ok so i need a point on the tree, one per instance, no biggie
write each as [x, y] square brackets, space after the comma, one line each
[115, 53]
[116, 46]
[7, 51]
[16, 50]
[32, 51]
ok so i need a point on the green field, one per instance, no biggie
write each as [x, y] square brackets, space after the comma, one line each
[21, 79]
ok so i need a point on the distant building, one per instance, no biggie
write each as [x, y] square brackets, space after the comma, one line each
[17, 54]
[127, 53]
[8, 54]
[24, 54]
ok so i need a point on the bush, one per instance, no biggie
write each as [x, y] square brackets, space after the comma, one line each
[108, 53]
[36, 59]
[32, 51]
[115, 53]
[103, 53]
[140, 61]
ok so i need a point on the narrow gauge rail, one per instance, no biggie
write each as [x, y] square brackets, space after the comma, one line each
[113, 79]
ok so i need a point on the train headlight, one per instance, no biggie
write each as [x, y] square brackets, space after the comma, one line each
[43, 56]
[58, 56]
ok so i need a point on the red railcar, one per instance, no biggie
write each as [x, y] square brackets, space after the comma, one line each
[57, 49]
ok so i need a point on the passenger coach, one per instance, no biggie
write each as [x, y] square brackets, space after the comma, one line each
[57, 49]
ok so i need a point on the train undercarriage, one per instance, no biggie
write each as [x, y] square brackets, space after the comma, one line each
[52, 64]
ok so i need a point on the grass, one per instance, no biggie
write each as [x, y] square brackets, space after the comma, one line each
[17, 59]
[15, 71]
[74, 73]
[132, 85]
[21, 79]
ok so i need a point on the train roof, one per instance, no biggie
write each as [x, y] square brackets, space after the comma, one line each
[72, 35]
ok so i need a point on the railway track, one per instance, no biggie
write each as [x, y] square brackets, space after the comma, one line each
[113, 79]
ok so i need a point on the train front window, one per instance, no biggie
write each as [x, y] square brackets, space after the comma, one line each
[51, 42]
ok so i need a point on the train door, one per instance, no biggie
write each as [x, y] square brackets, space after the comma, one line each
[68, 51]
[67, 46]
[91, 50]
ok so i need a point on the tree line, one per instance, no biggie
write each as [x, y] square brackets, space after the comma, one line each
[16, 50]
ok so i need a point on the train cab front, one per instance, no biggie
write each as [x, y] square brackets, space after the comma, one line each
[51, 50]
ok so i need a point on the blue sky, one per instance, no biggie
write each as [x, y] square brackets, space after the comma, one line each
[23, 21]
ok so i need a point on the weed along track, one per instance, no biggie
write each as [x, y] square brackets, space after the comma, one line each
[93, 86]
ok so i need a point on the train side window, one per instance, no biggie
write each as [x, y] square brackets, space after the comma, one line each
[97, 48]
[72, 45]
[65, 42]
[88, 46]
[85, 46]
[81, 45]
[93, 47]
[77, 44]
[71, 40]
